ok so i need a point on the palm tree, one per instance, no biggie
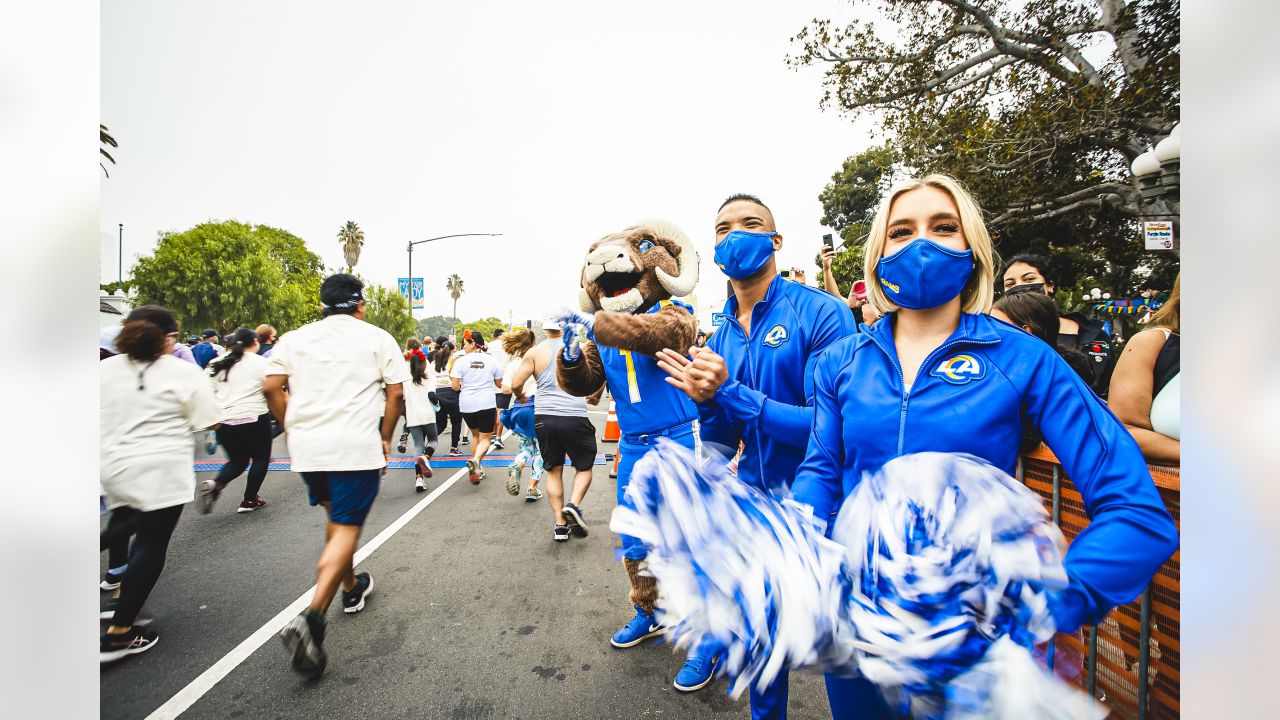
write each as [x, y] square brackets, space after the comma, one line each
[454, 286]
[352, 239]
[105, 138]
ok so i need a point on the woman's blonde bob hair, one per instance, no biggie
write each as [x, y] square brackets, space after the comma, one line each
[979, 292]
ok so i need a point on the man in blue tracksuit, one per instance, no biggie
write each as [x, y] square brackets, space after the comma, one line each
[753, 382]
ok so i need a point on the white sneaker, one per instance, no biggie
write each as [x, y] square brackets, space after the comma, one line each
[420, 485]
[208, 495]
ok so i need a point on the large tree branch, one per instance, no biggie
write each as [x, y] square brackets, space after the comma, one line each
[934, 84]
[1100, 195]
[1116, 21]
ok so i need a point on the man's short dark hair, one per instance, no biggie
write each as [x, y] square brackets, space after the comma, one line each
[743, 196]
[497, 333]
[341, 294]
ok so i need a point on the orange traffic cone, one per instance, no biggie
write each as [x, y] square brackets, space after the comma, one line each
[614, 472]
[611, 431]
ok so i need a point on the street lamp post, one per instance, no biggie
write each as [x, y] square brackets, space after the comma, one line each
[120, 260]
[441, 237]
[1159, 185]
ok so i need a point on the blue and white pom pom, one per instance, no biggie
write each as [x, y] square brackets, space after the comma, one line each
[733, 565]
[932, 585]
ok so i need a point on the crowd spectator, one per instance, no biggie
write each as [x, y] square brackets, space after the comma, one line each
[208, 349]
[266, 339]
[1146, 386]
[863, 313]
[1031, 273]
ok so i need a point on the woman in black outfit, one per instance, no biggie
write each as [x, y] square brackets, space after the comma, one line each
[442, 360]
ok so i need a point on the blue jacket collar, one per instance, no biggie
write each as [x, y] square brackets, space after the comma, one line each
[973, 327]
[731, 305]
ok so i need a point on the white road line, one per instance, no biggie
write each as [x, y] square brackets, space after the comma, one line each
[196, 689]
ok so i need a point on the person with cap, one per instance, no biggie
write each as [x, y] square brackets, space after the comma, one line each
[336, 369]
[208, 349]
[563, 428]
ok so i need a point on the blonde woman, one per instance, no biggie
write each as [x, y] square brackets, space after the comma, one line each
[938, 374]
[1147, 384]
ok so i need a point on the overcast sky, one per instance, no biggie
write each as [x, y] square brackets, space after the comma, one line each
[553, 123]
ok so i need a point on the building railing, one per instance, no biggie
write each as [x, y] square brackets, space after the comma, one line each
[1129, 661]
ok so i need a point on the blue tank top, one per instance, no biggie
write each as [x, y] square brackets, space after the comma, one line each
[646, 402]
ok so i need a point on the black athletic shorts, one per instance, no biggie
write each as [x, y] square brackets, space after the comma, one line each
[481, 420]
[559, 435]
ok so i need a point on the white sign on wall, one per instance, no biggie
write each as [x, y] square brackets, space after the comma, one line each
[1158, 235]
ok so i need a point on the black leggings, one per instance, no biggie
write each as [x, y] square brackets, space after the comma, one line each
[450, 412]
[146, 560]
[115, 538]
[244, 443]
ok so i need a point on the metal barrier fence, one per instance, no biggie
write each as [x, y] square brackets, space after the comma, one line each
[1130, 661]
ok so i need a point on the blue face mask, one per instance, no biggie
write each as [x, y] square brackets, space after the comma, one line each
[742, 254]
[924, 274]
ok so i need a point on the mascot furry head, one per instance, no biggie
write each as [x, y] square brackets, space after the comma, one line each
[629, 271]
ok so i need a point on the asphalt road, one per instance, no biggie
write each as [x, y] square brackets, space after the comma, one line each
[476, 614]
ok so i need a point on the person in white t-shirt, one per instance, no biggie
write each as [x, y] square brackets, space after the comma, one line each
[236, 379]
[495, 348]
[336, 370]
[477, 377]
[151, 404]
[420, 412]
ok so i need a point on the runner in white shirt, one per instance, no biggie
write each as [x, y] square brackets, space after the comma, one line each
[336, 369]
[151, 404]
[420, 412]
[236, 379]
[499, 354]
[477, 377]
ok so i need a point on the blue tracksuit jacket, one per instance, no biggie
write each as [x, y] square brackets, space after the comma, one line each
[767, 400]
[969, 396]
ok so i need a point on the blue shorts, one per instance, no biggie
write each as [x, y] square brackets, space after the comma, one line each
[350, 493]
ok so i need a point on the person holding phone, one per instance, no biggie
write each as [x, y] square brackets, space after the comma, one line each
[857, 299]
[949, 378]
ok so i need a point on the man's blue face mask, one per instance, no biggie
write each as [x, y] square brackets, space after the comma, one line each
[742, 253]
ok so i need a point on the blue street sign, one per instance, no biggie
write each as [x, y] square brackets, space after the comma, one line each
[417, 302]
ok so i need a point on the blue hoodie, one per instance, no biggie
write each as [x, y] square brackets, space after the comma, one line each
[969, 396]
[767, 402]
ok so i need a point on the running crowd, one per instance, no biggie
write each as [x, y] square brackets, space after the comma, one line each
[805, 389]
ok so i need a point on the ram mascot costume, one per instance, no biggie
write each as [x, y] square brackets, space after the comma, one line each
[628, 314]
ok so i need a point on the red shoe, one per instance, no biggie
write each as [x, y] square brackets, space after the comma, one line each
[474, 472]
[251, 505]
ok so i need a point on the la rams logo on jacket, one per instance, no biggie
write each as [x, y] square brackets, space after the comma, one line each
[960, 369]
[775, 337]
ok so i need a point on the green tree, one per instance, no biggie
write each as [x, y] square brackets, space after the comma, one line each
[104, 138]
[484, 325]
[230, 274]
[454, 286]
[352, 239]
[436, 325]
[1038, 107]
[849, 203]
[389, 310]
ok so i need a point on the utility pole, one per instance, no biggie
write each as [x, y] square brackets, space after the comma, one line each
[120, 260]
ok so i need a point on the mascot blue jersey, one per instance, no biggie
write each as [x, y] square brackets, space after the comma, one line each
[646, 402]
[767, 402]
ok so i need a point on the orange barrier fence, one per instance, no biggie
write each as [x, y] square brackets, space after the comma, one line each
[1130, 660]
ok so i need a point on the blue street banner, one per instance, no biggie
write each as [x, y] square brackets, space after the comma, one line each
[417, 303]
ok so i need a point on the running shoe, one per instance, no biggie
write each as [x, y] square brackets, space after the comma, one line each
[353, 602]
[116, 647]
[533, 495]
[573, 516]
[424, 466]
[497, 442]
[404, 442]
[210, 442]
[560, 533]
[454, 450]
[110, 581]
[251, 505]
[699, 669]
[209, 492]
[304, 637]
[642, 627]
[420, 485]
[474, 473]
[466, 440]
[109, 611]
[513, 479]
